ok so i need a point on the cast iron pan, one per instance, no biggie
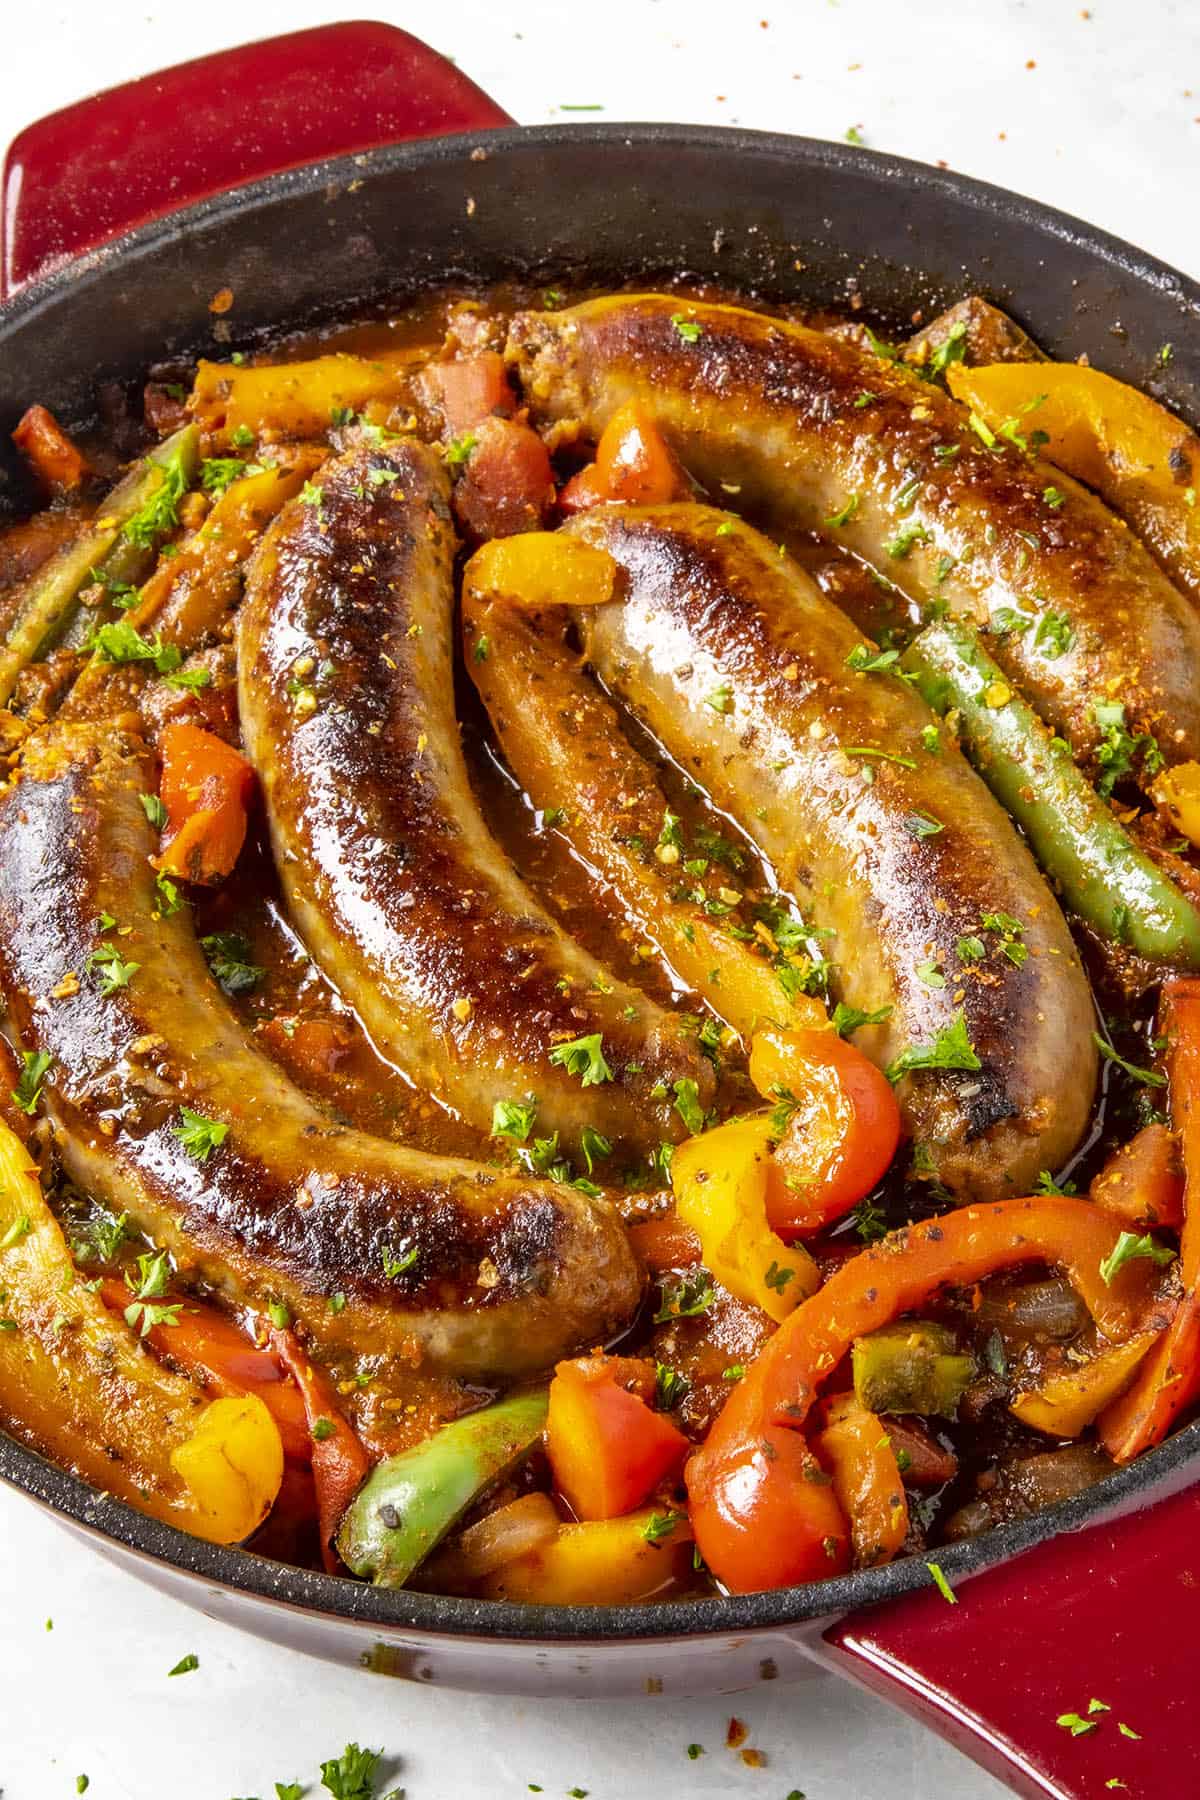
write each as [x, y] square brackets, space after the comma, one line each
[310, 176]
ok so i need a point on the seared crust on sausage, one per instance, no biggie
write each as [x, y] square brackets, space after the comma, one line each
[492, 1274]
[391, 875]
[805, 428]
[738, 664]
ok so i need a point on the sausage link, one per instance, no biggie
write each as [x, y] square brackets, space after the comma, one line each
[810, 431]
[475, 1273]
[738, 664]
[398, 888]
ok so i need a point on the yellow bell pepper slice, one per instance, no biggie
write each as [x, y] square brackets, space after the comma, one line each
[293, 399]
[536, 569]
[1067, 1402]
[608, 1562]
[1139, 457]
[76, 1384]
[720, 1183]
[1177, 792]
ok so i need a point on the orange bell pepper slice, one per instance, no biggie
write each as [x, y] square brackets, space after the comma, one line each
[607, 1448]
[856, 1448]
[209, 1346]
[633, 463]
[1169, 1379]
[1142, 1182]
[206, 788]
[752, 1506]
[842, 1133]
[340, 1463]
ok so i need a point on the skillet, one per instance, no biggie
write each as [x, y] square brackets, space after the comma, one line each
[378, 168]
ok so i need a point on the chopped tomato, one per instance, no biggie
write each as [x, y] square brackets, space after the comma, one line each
[1143, 1180]
[470, 390]
[633, 463]
[58, 463]
[340, 1464]
[607, 1448]
[315, 1047]
[206, 789]
[841, 1133]
[507, 484]
[211, 1347]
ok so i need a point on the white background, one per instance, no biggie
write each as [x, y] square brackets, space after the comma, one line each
[1106, 124]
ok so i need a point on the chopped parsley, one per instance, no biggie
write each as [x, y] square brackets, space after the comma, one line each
[920, 825]
[20, 1228]
[120, 642]
[1130, 1248]
[848, 1018]
[1054, 635]
[659, 1526]
[1075, 1724]
[142, 1316]
[687, 1105]
[112, 969]
[35, 1064]
[952, 349]
[595, 1147]
[1053, 498]
[513, 1119]
[941, 1584]
[1118, 747]
[670, 1387]
[195, 677]
[904, 762]
[153, 1273]
[583, 1057]
[351, 1776]
[844, 513]
[170, 900]
[908, 535]
[154, 810]
[869, 1220]
[688, 330]
[185, 1665]
[394, 1265]
[228, 956]
[685, 1297]
[483, 648]
[1147, 1077]
[322, 1429]
[868, 661]
[160, 513]
[951, 1049]
[198, 1135]
[219, 472]
[721, 698]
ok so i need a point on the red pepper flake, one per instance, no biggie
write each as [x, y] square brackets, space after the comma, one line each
[736, 1734]
[221, 301]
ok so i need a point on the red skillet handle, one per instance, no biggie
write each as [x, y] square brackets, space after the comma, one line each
[1109, 1614]
[85, 174]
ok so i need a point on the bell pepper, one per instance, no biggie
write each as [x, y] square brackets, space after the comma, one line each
[606, 1562]
[1102, 875]
[76, 1382]
[633, 464]
[720, 1181]
[144, 498]
[1139, 457]
[535, 569]
[468, 389]
[55, 458]
[665, 1242]
[206, 788]
[1168, 1381]
[1065, 1403]
[608, 1449]
[1142, 1182]
[911, 1368]
[752, 1509]
[842, 1128]
[209, 1346]
[1177, 793]
[293, 399]
[340, 1464]
[410, 1501]
[856, 1448]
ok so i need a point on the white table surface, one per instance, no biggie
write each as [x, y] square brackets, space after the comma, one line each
[1096, 110]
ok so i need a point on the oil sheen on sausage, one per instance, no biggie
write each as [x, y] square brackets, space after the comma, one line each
[809, 431]
[473, 1272]
[392, 877]
[871, 819]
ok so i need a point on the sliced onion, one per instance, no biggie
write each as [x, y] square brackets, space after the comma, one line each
[1045, 1309]
[511, 1531]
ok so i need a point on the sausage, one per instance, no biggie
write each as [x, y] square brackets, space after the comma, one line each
[395, 883]
[689, 896]
[810, 431]
[737, 663]
[490, 1274]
